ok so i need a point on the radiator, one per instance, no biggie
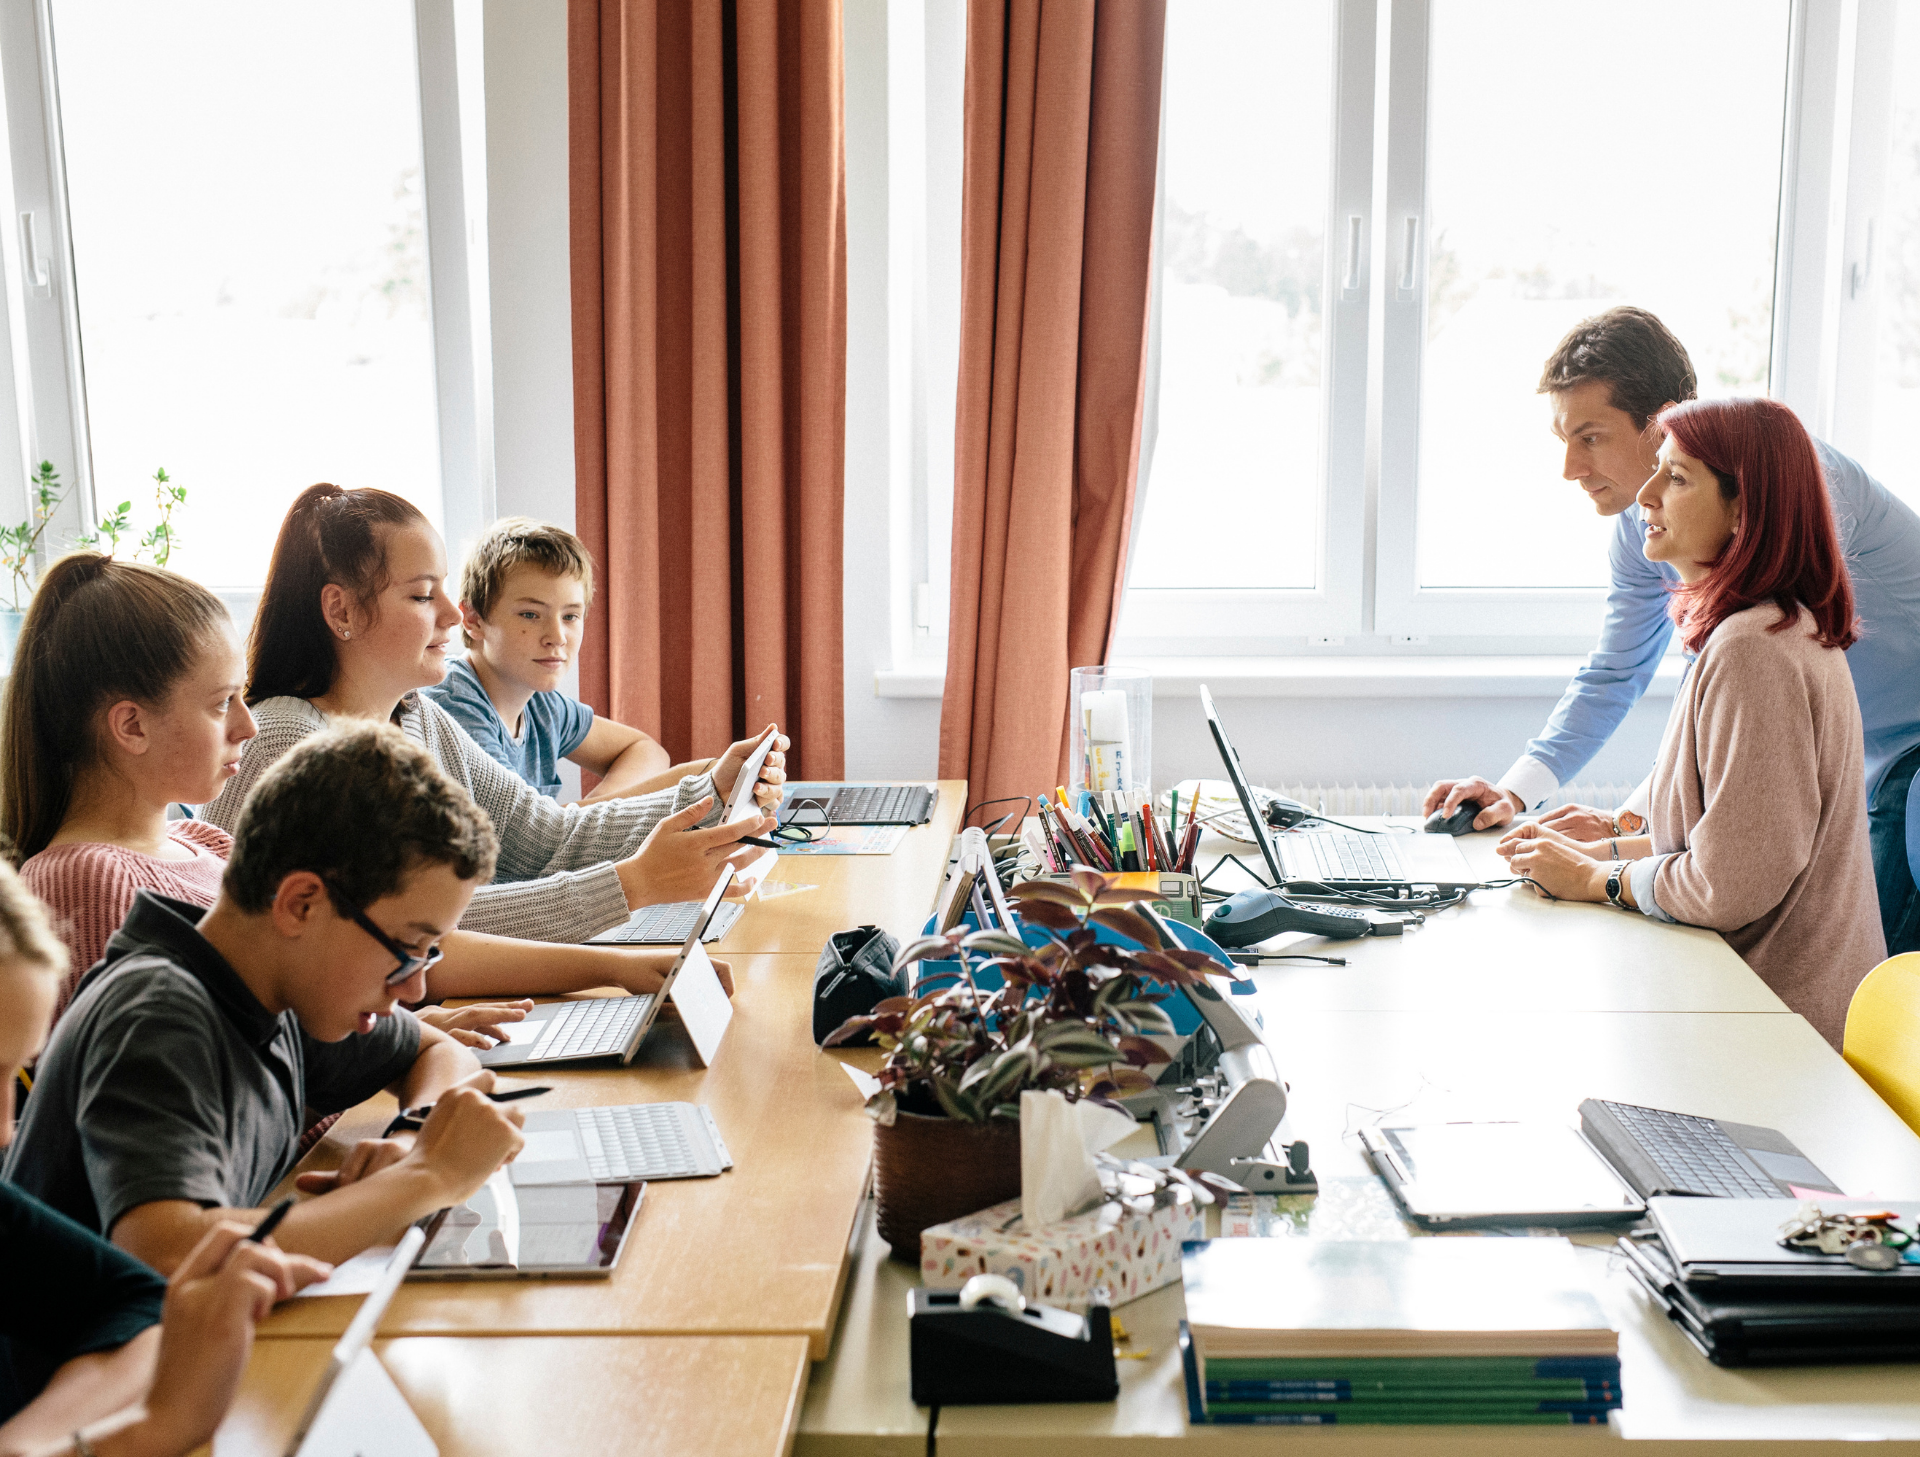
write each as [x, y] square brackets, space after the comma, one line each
[1405, 799]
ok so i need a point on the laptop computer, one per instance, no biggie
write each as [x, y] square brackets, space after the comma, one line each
[356, 1407]
[1340, 859]
[595, 1027]
[821, 805]
[668, 923]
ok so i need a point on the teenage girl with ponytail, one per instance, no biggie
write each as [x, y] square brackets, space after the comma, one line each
[354, 618]
[125, 698]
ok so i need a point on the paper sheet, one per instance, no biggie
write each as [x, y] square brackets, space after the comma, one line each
[356, 1276]
[851, 840]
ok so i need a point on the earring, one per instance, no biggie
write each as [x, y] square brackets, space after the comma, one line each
[344, 634]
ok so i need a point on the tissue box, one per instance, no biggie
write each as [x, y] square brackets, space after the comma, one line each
[1129, 1253]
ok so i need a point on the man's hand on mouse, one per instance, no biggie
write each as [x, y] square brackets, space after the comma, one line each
[1498, 805]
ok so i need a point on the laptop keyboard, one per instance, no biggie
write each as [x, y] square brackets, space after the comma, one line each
[873, 804]
[1352, 857]
[600, 1027]
[649, 1141]
[670, 924]
[1693, 1154]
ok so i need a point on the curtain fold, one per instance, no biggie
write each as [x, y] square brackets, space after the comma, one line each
[707, 180]
[1061, 150]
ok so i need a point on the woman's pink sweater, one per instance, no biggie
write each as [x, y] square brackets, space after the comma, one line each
[90, 887]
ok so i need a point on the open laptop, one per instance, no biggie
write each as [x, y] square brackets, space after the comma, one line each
[356, 1407]
[821, 805]
[595, 1027]
[1340, 859]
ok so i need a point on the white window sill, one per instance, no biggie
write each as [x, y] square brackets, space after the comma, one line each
[1329, 677]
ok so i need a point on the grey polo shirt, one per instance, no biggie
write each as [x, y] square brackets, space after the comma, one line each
[166, 1079]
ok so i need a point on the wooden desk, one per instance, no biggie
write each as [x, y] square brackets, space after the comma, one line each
[759, 1250]
[1761, 1068]
[892, 891]
[719, 1396]
[1511, 949]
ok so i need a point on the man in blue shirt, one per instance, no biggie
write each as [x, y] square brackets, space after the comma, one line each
[1607, 380]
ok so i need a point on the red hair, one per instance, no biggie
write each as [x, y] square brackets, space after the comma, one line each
[1785, 550]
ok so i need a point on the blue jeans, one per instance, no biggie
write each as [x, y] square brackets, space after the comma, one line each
[1887, 827]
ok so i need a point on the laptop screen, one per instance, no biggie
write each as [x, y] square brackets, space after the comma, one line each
[1257, 824]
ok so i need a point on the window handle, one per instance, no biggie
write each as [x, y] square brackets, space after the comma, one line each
[33, 262]
[1860, 271]
[1350, 285]
[1409, 262]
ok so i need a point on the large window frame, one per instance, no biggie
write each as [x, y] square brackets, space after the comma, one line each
[42, 367]
[1368, 599]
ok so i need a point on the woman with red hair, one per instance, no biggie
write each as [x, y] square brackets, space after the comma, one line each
[1758, 827]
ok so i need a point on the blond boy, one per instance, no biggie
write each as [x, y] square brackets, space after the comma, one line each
[524, 594]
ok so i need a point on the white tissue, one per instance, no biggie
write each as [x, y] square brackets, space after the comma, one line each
[1058, 1140]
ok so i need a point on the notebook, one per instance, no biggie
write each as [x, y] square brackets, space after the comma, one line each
[1291, 1298]
[1734, 1244]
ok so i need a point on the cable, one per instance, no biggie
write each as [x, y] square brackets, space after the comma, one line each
[1357, 829]
[994, 828]
[1260, 958]
[933, 1421]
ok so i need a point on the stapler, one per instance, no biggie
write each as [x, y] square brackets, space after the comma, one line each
[984, 1345]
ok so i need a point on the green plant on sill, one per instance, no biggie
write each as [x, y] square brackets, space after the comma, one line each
[163, 538]
[19, 543]
[1072, 1015]
[159, 541]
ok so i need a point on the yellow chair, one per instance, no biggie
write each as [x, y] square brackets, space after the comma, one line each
[1882, 1040]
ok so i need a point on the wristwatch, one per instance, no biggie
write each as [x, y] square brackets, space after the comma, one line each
[1620, 829]
[1615, 873]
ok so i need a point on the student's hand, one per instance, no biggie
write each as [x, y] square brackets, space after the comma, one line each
[1558, 870]
[466, 1138]
[365, 1159]
[1532, 832]
[1498, 806]
[220, 1292]
[773, 774]
[641, 972]
[479, 1025]
[679, 862]
[1584, 822]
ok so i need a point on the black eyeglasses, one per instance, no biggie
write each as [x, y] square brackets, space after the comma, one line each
[410, 965]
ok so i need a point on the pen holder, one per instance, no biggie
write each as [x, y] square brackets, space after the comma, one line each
[1111, 733]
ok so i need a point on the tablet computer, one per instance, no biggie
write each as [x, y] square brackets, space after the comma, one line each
[520, 1232]
[1467, 1175]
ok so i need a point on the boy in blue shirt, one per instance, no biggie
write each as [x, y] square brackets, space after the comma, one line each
[523, 602]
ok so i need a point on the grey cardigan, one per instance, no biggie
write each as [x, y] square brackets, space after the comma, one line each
[555, 880]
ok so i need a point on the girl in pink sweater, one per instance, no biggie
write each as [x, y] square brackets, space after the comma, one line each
[124, 700]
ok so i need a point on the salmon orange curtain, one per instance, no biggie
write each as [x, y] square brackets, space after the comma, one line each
[708, 218]
[1061, 148]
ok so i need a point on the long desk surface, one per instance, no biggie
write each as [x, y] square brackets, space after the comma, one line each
[640, 1396]
[1515, 949]
[1508, 1006]
[1349, 1068]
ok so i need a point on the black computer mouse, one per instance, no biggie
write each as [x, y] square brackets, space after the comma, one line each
[1252, 916]
[1458, 823]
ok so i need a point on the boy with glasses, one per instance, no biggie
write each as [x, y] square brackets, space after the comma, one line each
[173, 1092]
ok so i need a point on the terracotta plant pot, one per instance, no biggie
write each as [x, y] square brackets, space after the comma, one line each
[929, 1170]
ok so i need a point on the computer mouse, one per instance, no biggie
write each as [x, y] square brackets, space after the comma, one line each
[1253, 915]
[1460, 822]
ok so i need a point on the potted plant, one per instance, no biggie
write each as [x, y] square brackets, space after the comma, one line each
[18, 547]
[1074, 1014]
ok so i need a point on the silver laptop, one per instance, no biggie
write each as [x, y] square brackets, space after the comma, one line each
[597, 1027]
[1340, 859]
[667, 924]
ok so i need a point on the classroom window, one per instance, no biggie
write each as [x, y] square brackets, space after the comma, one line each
[245, 193]
[1888, 278]
[1568, 172]
[1242, 264]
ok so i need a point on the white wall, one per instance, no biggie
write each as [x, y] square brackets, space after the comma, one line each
[1282, 735]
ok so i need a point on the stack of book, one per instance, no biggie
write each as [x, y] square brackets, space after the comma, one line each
[1304, 1332]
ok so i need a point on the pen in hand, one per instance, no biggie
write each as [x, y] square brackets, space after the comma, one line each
[414, 1117]
[272, 1222]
